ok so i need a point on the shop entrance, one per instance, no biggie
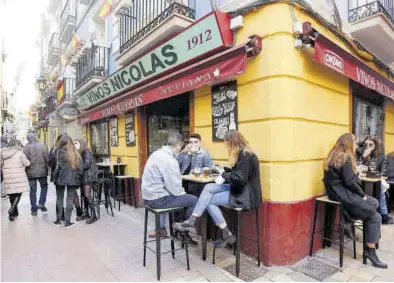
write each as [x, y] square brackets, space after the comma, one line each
[165, 117]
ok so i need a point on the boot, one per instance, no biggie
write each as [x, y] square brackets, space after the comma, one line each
[63, 218]
[13, 211]
[370, 254]
[228, 238]
[93, 218]
[79, 212]
[85, 215]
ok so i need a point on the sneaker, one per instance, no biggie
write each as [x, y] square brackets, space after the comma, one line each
[69, 225]
[221, 243]
[161, 233]
[43, 208]
[34, 212]
[57, 223]
[4, 196]
[387, 220]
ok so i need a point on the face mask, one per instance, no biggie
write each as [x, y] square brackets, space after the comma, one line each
[77, 145]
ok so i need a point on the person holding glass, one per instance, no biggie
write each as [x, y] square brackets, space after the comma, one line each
[343, 185]
[370, 153]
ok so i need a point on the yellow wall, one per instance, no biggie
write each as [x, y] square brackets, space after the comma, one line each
[389, 127]
[129, 154]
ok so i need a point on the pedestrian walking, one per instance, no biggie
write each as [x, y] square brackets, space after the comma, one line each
[67, 176]
[4, 144]
[38, 156]
[13, 164]
[86, 181]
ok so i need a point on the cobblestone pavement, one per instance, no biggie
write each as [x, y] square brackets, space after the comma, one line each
[32, 249]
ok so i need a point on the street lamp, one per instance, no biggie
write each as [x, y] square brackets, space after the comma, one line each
[41, 83]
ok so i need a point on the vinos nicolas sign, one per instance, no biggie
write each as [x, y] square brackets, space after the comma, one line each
[204, 36]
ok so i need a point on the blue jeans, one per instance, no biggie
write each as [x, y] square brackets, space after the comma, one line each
[33, 191]
[383, 203]
[210, 199]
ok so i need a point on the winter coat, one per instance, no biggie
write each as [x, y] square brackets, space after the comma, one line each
[13, 162]
[64, 174]
[244, 180]
[52, 161]
[88, 167]
[389, 167]
[344, 186]
[38, 155]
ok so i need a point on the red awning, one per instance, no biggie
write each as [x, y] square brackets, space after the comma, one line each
[220, 67]
[334, 57]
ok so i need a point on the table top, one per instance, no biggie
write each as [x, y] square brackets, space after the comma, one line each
[198, 180]
[110, 164]
[372, 180]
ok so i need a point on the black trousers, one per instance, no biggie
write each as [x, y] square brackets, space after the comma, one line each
[71, 190]
[15, 198]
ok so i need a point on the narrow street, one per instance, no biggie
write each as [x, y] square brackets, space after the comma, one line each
[111, 250]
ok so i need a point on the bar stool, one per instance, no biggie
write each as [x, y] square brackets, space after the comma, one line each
[327, 228]
[157, 252]
[237, 224]
[103, 183]
[124, 190]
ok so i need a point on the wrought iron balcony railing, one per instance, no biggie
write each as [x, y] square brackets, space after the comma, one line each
[50, 105]
[54, 44]
[95, 63]
[145, 15]
[361, 9]
[68, 14]
[68, 88]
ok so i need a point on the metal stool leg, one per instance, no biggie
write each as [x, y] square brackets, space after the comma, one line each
[341, 238]
[214, 249]
[238, 243]
[313, 229]
[158, 248]
[364, 243]
[171, 218]
[258, 236]
[186, 252]
[354, 241]
[145, 235]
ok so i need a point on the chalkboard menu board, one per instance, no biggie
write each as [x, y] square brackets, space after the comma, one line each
[114, 131]
[130, 129]
[224, 109]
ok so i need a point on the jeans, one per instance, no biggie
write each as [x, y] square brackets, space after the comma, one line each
[187, 201]
[383, 203]
[71, 191]
[211, 197]
[33, 191]
[373, 223]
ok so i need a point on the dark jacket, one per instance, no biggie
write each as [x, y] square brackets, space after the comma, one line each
[389, 167]
[88, 167]
[366, 160]
[52, 161]
[244, 180]
[64, 174]
[38, 156]
[343, 185]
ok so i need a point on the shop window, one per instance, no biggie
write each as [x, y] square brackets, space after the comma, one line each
[99, 133]
[368, 112]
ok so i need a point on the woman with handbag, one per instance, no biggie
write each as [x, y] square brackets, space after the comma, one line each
[242, 188]
[67, 176]
[14, 162]
[86, 180]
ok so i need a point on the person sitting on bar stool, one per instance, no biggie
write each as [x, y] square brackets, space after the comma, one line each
[161, 183]
[241, 190]
[371, 151]
[344, 186]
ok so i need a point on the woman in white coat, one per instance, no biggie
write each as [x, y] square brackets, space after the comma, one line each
[15, 181]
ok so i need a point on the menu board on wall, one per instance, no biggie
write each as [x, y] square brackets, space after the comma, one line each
[130, 129]
[224, 109]
[114, 131]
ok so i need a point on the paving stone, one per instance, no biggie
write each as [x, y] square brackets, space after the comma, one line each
[262, 279]
[300, 277]
[340, 276]
[282, 278]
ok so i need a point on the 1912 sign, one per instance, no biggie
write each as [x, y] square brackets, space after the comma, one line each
[224, 109]
[114, 132]
[130, 129]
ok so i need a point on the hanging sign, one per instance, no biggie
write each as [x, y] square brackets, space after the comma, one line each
[69, 113]
[130, 129]
[204, 36]
[114, 131]
[224, 109]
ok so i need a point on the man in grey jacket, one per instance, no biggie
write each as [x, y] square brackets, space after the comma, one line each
[38, 156]
[162, 182]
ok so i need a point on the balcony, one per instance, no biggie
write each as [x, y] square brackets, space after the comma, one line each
[67, 21]
[148, 22]
[50, 105]
[372, 24]
[92, 67]
[53, 50]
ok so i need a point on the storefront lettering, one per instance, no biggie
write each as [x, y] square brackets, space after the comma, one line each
[122, 106]
[371, 82]
[332, 60]
[170, 54]
[185, 84]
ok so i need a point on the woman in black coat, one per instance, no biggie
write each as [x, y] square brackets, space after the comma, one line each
[67, 175]
[242, 187]
[86, 180]
[343, 185]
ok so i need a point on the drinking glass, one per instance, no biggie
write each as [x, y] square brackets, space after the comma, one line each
[197, 172]
[372, 166]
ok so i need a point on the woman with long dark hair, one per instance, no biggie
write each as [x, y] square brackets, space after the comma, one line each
[242, 187]
[86, 180]
[67, 176]
[343, 185]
